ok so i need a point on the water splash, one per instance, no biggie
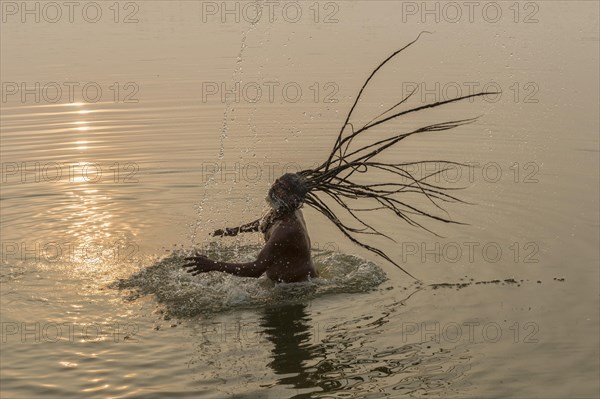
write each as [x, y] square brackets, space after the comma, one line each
[237, 77]
[184, 295]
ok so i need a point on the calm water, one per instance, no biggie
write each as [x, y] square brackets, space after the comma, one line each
[110, 175]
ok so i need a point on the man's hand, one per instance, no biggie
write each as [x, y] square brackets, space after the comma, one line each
[234, 231]
[224, 232]
[199, 264]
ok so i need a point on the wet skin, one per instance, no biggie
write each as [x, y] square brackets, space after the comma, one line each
[284, 258]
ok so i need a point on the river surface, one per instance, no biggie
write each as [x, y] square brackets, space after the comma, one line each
[131, 130]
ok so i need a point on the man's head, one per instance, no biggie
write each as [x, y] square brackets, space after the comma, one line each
[287, 193]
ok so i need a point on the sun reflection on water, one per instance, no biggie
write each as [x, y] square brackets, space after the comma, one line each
[89, 213]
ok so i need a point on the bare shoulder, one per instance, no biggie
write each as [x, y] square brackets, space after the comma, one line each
[285, 229]
[294, 222]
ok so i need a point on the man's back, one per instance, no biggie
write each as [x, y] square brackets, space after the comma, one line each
[288, 249]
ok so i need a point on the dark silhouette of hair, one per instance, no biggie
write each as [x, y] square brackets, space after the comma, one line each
[332, 180]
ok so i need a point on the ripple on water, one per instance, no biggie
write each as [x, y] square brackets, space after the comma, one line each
[185, 295]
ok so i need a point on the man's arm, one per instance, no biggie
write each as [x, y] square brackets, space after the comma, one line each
[234, 231]
[202, 264]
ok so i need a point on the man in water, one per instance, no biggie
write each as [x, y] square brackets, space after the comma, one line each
[286, 254]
